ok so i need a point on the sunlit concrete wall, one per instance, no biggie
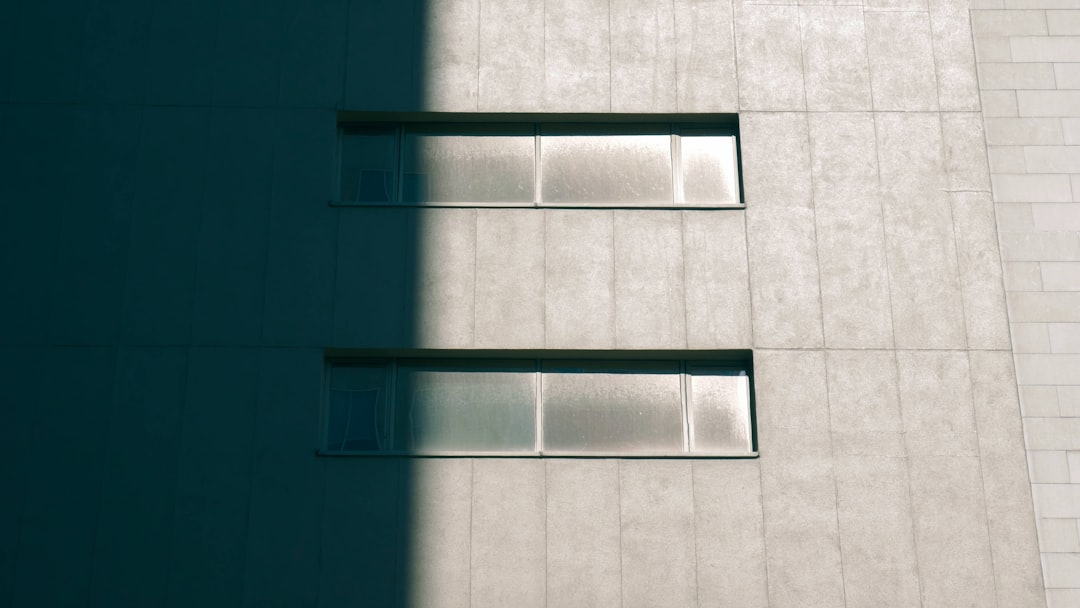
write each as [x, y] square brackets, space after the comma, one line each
[173, 275]
[1030, 81]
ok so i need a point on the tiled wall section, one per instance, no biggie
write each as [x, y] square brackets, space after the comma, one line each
[1028, 54]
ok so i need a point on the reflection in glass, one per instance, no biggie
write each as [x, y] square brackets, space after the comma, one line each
[709, 169]
[469, 406]
[463, 165]
[719, 411]
[368, 164]
[356, 420]
[630, 407]
[599, 168]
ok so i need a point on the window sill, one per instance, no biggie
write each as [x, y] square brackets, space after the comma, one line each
[548, 454]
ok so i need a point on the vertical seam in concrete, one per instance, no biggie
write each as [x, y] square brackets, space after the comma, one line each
[907, 477]
[472, 498]
[101, 474]
[251, 472]
[836, 486]
[749, 279]
[802, 76]
[735, 58]
[475, 269]
[268, 214]
[693, 522]
[479, 28]
[618, 478]
[982, 481]
[609, 95]
[181, 416]
[817, 241]
[675, 38]
[547, 512]
[685, 305]
[614, 286]
[955, 238]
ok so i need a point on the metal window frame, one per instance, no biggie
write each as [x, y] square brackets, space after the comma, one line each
[391, 365]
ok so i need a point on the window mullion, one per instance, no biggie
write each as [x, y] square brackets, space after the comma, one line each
[685, 390]
[537, 167]
[676, 166]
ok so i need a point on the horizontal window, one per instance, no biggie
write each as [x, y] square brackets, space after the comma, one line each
[530, 407]
[539, 164]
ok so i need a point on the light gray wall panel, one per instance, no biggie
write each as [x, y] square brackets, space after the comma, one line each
[863, 389]
[87, 288]
[214, 476]
[47, 45]
[284, 525]
[451, 49]
[37, 140]
[180, 46]
[954, 56]
[509, 278]
[133, 536]
[643, 57]
[577, 56]
[965, 151]
[717, 280]
[936, 401]
[769, 58]
[834, 57]
[386, 43]
[443, 272]
[511, 56]
[657, 519]
[302, 234]
[791, 391]
[246, 69]
[61, 504]
[650, 307]
[729, 534]
[584, 552]
[980, 270]
[314, 46]
[231, 264]
[438, 532]
[1010, 515]
[925, 287]
[851, 239]
[880, 567]
[802, 542]
[780, 223]
[508, 533]
[370, 302]
[705, 56]
[164, 226]
[579, 279]
[950, 531]
[364, 519]
[115, 62]
[23, 371]
[901, 61]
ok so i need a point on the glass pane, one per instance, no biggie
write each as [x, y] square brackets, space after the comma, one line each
[629, 407]
[466, 406]
[709, 168]
[357, 410]
[719, 410]
[478, 165]
[368, 165]
[595, 168]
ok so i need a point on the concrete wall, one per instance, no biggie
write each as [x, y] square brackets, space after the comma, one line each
[173, 275]
[1031, 102]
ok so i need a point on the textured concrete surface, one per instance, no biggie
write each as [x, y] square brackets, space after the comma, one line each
[174, 276]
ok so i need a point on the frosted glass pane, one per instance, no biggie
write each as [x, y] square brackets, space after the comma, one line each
[709, 168]
[719, 411]
[631, 407]
[368, 165]
[356, 419]
[471, 406]
[454, 167]
[628, 169]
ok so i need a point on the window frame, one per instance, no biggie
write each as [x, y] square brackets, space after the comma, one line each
[723, 360]
[600, 124]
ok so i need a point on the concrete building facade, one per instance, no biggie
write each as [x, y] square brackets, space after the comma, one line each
[175, 278]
